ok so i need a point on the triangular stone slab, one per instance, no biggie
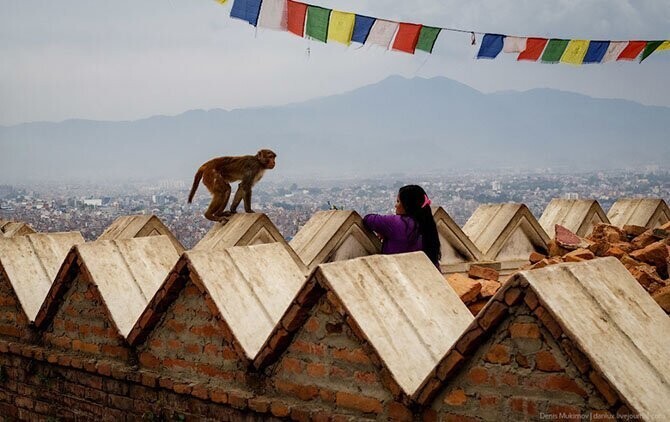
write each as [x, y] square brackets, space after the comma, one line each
[577, 215]
[402, 313]
[458, 251]
[133, 226]
[333, 236]
[28, 265]
[14, 228]
[507, 233]
[645, 212]
[101, 290]
[244, 229]
[242, 291]
[584, 337]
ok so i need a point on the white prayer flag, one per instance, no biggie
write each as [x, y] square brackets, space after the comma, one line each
[382, 33]
[614, 50]
[273, 15]
[514, 44]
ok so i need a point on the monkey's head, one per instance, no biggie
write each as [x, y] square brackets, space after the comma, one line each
[267, 158]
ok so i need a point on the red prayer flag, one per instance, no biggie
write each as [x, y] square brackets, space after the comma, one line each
[632, 50]
[407, 37]
[296, 17]
[534, 48]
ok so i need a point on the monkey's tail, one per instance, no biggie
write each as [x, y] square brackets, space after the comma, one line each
[196, 182]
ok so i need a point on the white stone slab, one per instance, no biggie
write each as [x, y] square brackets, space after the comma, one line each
[620, 328]
[577, 215]
[645, 212]
[404, 307]
[252, 286]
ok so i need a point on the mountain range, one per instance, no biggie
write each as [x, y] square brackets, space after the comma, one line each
[396, 125]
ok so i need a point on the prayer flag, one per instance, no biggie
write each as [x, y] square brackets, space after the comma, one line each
[317, 23]
[273, 15]
[650, 48]
[533, 50]
[296, 17]
[554, 50]
[341, 27]
[664, 46]
[247, 10]
[427, 38]
[492, 45]
[514, 44]
[382, 33]
[407, 37]
[575, 52]
[362, 28]
[613, 51]
[596, 51]
[632, 50]
[221, 1]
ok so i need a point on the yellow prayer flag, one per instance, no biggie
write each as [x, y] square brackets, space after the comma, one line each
[575, 51]
[221, 1]
[341, 27]
[664, 46]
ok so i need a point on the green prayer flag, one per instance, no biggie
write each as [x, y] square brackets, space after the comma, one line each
[554, 50]
[650, 48]
[427, 38]
[317, 23]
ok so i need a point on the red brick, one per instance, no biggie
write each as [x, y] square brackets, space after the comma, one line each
[398, 412]
[149, 360]
[200, 392]
[549, 322]
[509, 378]
[292, 365]
[316, 369]
[498, 353]
[512, 296]
[562, 383]
[303, 392]
[564, 413]
[469, 341]
[279, 409]
[259, 405]
[604, 387]
[655, 254]
[524, 330]
[366, 377]
[536, 257]
[456, 397]
[478, 375]
[300, 415]
[218, 396]
[524, 406]
[488, 401]
[358, 402]
[308, 348]
[354, 356]
[545, 361]
[492, 314]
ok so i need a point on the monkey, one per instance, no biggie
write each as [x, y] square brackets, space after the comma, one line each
[218, 173]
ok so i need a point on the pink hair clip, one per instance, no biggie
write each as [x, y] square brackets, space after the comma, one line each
[426, 201]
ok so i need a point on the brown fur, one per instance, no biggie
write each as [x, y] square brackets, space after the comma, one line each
[217, 174]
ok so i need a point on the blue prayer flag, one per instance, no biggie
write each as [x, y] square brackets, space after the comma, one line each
[247, 10]
[492, 45]
[362, 27]
[596, 51]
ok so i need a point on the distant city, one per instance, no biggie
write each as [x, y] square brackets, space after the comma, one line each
[90, 208]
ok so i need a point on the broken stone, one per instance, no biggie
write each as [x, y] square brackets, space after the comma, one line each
[477, 271]
[581, 253]
[648, 278]
[466, 288]
[655, 254]
[608, 233]
[662, 297]
[546, 262]
[567, 239]
[660, 233]
[477, 306]
[536, 257]
[634, 231]
[489, 288]
[555, 249]
[643, 240]
[616, 252]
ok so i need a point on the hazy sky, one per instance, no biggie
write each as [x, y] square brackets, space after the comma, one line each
[129, 59]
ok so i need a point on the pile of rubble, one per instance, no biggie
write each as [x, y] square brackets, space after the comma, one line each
[644, 252]
[476, 287]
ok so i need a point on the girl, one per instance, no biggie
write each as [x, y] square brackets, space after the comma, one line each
[411, 229]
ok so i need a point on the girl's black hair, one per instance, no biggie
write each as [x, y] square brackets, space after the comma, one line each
[413, 198]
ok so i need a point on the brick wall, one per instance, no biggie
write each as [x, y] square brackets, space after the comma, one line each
[82, 323]
[326, 365]
[519, 373]
[190, 340]
[13, 321]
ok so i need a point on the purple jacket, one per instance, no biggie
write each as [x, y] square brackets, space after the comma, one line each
[396, 232]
